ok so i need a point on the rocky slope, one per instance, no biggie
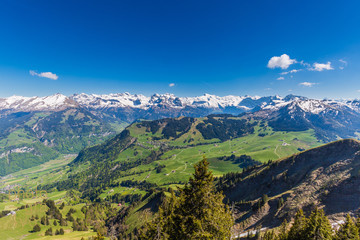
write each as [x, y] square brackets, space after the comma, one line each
[324, 177]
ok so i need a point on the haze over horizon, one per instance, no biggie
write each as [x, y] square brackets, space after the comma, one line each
[186, 48]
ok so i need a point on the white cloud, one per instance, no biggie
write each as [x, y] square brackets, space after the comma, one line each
[307, 84]
[283, 62]
[321, 67]
[343, 61]
[292, 71]
[49, 75]
[171, 84]
[304, 64]
[280, 78]
[344, 64]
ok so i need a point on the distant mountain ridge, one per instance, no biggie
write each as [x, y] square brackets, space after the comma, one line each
[226, 104]
[242, 103]
[339, 116]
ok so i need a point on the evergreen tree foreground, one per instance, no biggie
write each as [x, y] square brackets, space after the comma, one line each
[197, 213]
[316, 227]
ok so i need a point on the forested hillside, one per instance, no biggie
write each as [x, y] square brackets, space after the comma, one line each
[30, 138]
[161, 152]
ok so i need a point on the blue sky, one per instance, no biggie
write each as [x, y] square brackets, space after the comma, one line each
[183, 47]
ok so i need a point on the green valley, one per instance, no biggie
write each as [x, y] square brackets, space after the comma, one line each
[137, 167]
[28, 139]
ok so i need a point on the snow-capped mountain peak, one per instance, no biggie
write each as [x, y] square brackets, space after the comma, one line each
[229, 104]
[53, 102]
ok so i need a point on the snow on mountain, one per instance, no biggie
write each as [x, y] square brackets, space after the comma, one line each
[170, 100]
[53, 102]
[213, 101]
[206, 101]
[117, 100]
[313, 106]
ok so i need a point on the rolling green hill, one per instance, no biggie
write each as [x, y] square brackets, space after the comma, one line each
[137, 166]
[161, 152]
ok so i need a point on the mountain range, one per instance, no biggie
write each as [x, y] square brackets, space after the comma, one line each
[226, 104]
[37, 129]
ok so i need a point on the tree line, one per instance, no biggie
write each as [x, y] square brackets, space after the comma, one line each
[316, 227]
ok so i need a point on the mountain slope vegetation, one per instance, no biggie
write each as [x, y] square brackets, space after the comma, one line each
[160, 153]
[30, 138]
[131, 174]
[325, 177]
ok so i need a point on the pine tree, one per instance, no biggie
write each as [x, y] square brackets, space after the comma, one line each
[283, 234]
[318, 226]
[296, 231]
[264, 199]
[258, 233]
[348, 230]
[49, 232]
[100, 237]
[280, 203]
[36, 228]
[269, 235]
[62, 222]
[43, 220]
[198, 213]
[61, 231]
[75, 226]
